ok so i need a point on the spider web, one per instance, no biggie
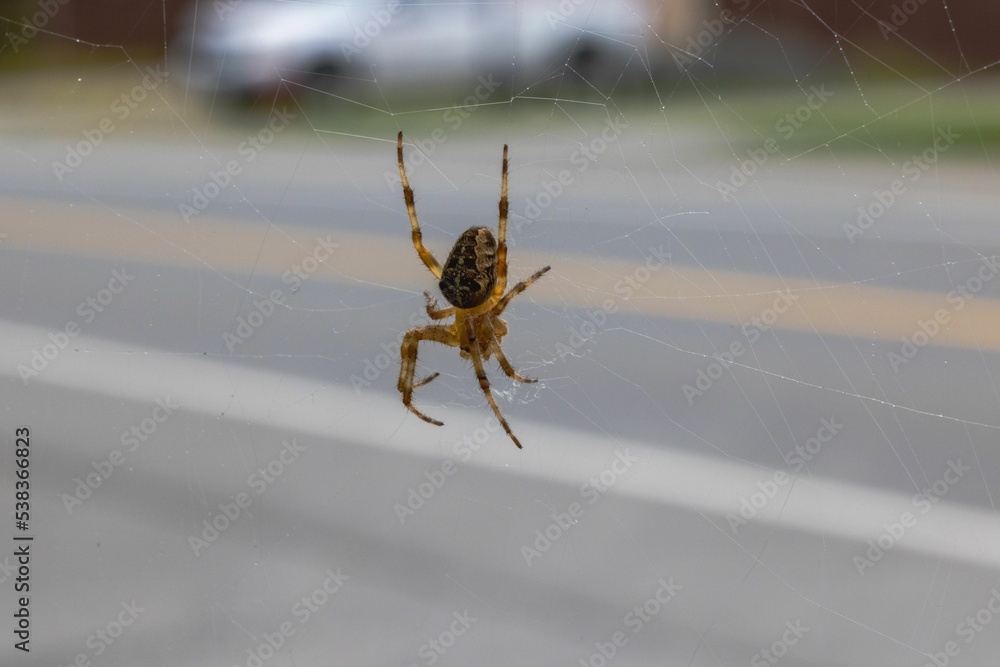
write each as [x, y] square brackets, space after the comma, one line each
[765, 424]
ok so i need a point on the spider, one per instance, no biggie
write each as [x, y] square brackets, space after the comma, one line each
[473, 280]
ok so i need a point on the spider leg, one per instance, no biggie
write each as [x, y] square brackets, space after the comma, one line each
[507, 368]
[498, 309]
[517, 289]
[484, 382]
[434, 311]
[505, 365]
[502, 229]
[408, 353]
[428, 379]
[411, 210]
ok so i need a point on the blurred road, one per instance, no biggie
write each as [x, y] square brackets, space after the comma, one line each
[756, 432]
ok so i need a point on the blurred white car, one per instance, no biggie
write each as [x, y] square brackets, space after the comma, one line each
[235, 48]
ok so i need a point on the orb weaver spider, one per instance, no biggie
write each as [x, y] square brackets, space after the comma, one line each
[473, 280]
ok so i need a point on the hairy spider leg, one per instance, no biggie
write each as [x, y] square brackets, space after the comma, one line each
[505, 365]
[498, 309]
[408, 352]
[411, 210]
[501, 285]
[434, 311]
[468, 328]
[517, 289]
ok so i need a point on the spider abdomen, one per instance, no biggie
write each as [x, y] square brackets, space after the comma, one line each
[470, 274]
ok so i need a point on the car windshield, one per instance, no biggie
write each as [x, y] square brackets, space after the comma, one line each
[583, 332]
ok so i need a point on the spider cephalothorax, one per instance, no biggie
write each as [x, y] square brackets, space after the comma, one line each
[474, 282]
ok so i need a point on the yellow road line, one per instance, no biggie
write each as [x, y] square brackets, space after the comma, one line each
[127, 235]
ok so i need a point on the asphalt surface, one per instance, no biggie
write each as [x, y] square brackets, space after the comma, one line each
[757, 435]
